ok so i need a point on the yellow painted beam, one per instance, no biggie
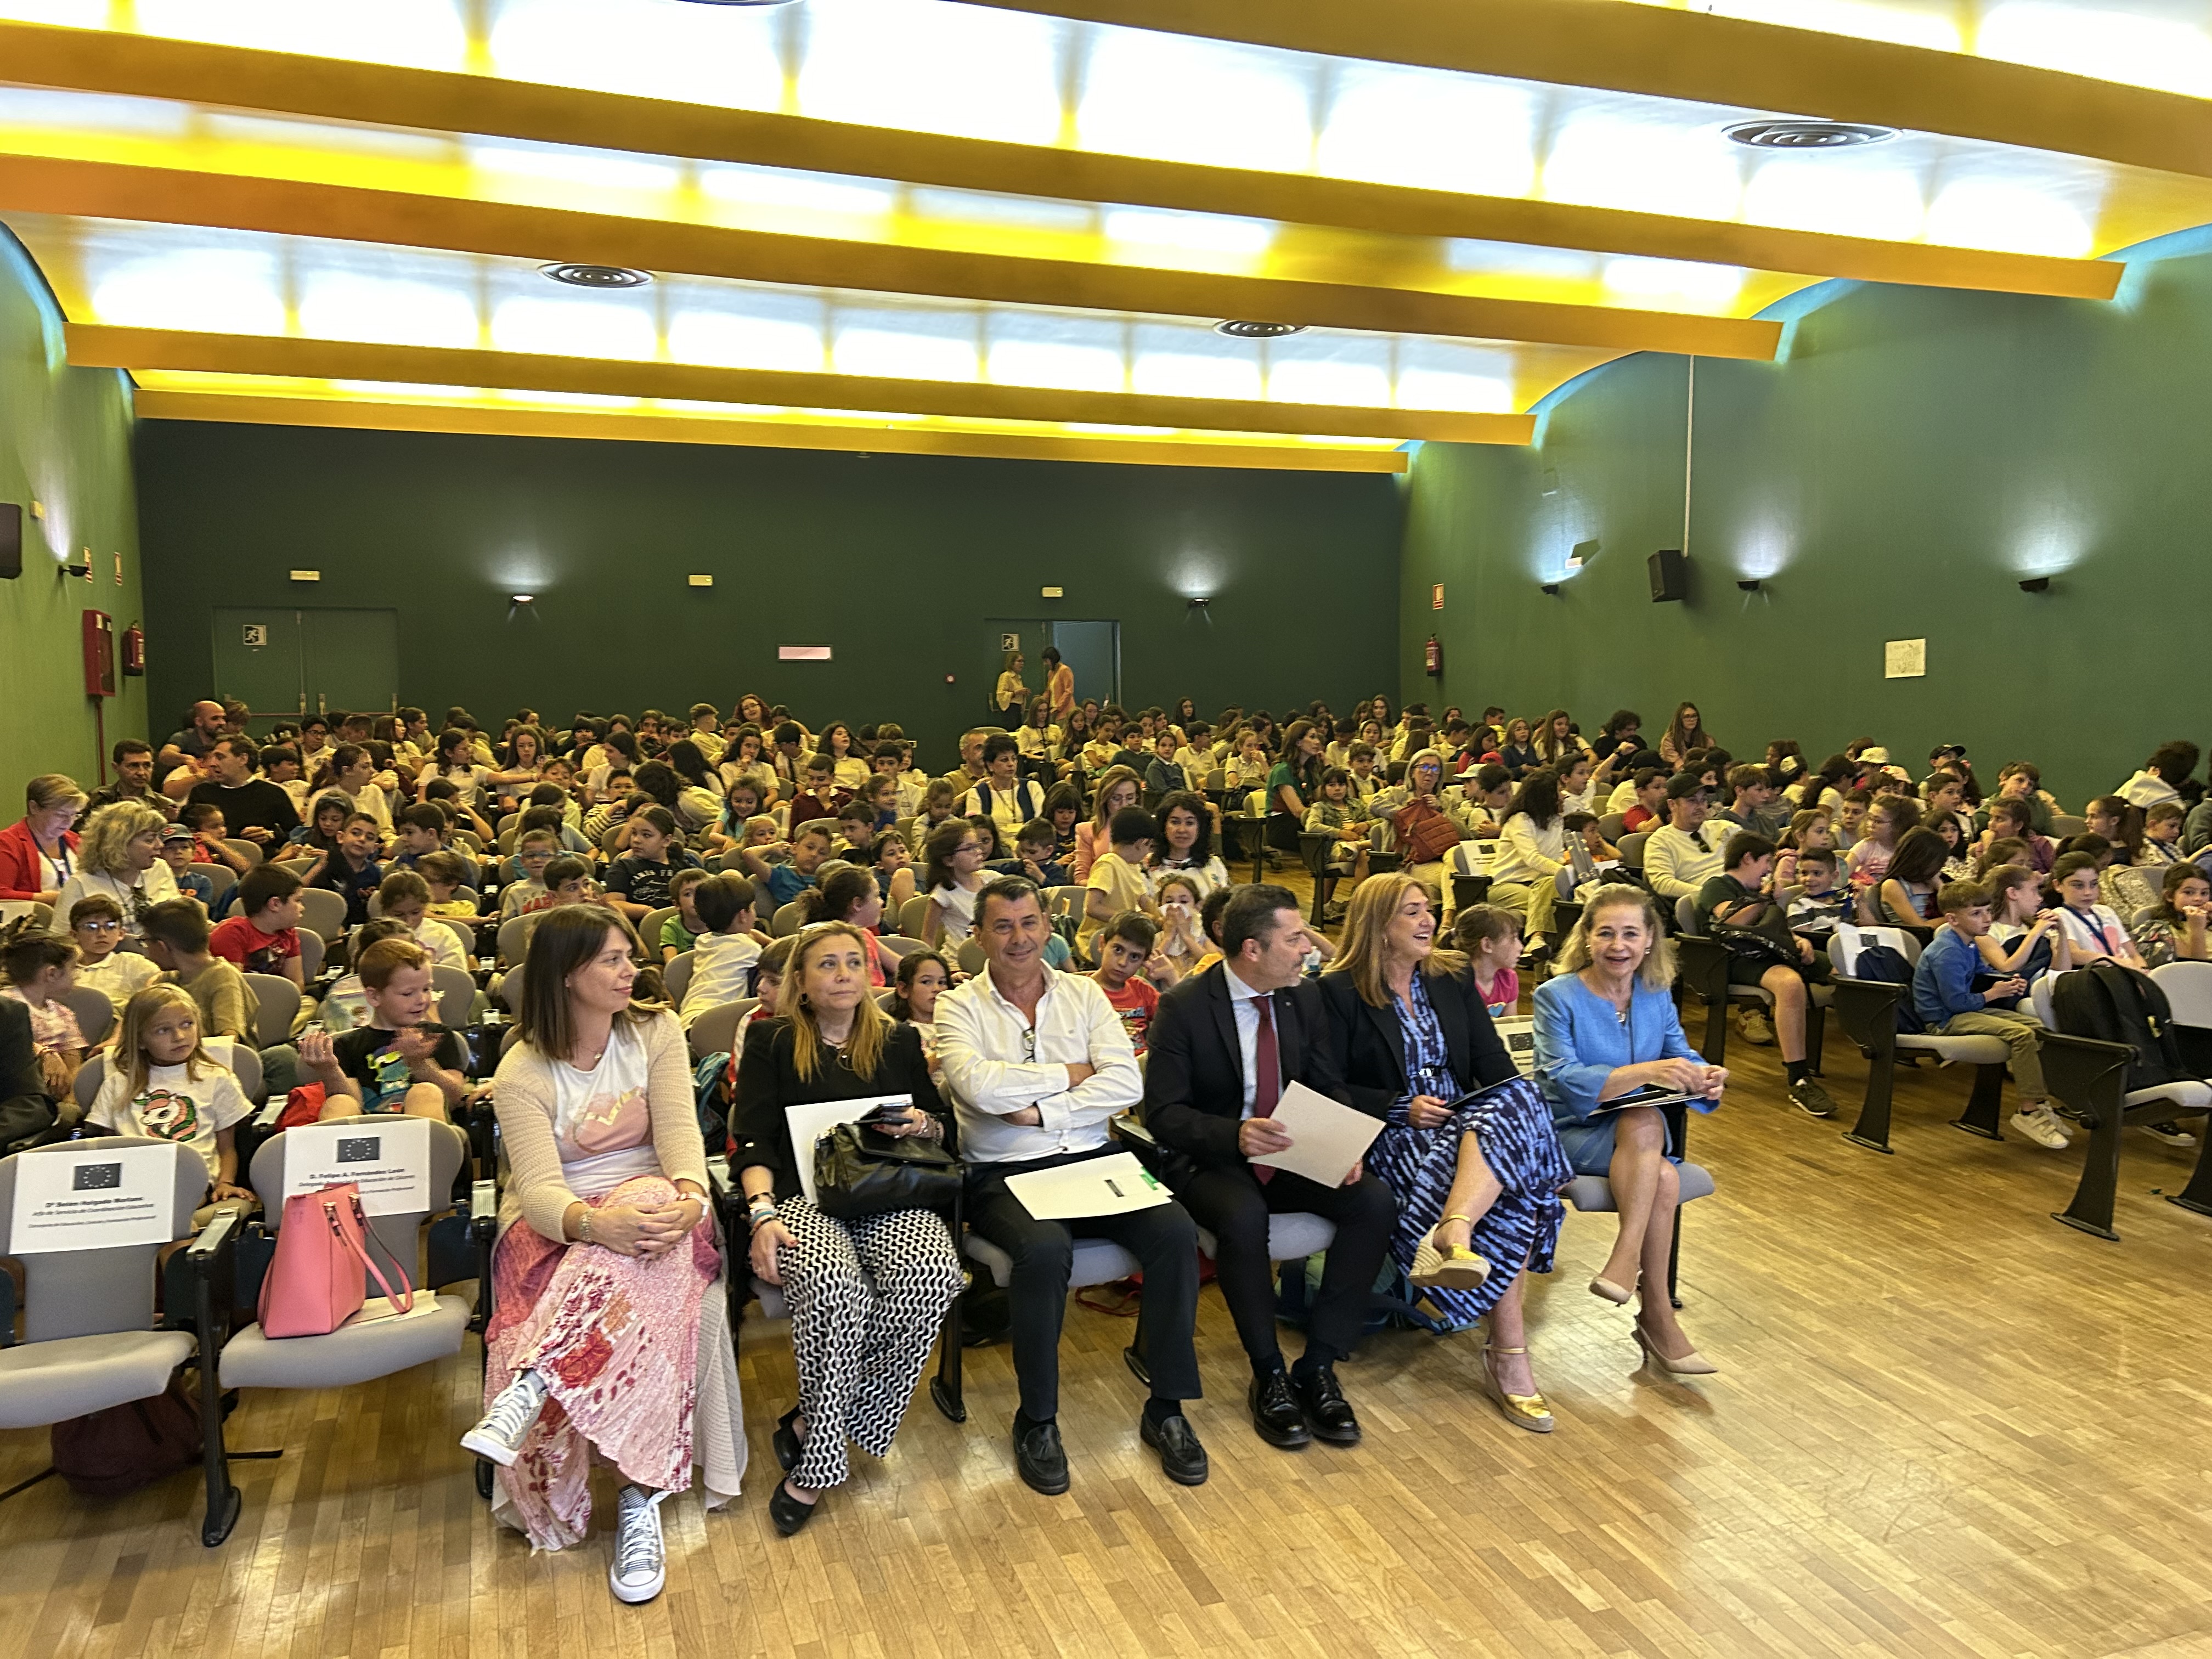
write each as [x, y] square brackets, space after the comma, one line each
[362, 414]
[93, 60]
[94, 346]
[1695, 56]
[184, 195]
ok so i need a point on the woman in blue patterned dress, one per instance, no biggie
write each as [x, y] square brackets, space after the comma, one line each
[1407, 1039]
[1605, 1027]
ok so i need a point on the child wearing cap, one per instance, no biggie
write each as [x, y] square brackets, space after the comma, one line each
[177, 845]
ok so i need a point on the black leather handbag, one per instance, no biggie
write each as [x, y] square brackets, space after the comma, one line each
[860, 1171]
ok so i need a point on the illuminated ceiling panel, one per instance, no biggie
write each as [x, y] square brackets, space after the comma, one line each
[1018, 210]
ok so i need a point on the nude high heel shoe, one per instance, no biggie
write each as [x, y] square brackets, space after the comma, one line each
[1603, 1286]
[1691, 1363]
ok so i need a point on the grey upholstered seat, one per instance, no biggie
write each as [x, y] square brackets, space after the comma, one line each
[1595, 1192]
[1095, 1261]
[1291, 1237]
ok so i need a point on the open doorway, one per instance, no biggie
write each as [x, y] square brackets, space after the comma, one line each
[1091, 648]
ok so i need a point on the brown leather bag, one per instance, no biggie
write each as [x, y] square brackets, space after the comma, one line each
[1424, 834]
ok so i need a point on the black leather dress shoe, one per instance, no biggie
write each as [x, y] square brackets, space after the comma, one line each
[1325, 1405]
[1180, 1455]
[1276, 1415]
[1040, 1457]
[787, 1512]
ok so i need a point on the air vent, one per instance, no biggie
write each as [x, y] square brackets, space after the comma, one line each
[1808, 135]
[596, 275]
[1250, 330]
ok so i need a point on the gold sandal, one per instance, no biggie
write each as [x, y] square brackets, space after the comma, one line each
[1446, 1266]
[1524, 1411]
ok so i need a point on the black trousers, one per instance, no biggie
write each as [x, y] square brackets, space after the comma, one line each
[1164, 1242]
[1233, 1204]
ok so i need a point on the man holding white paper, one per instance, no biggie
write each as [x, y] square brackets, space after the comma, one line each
[1225, 1047]
[1036, 1064]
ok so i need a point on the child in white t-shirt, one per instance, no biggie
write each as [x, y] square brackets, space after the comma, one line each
[165, 1084]
[96, 924]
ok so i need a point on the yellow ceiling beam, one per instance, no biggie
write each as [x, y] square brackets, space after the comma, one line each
[1660, 53]
[185, 195]
[98, 61]
[94, 346]
[363, 414]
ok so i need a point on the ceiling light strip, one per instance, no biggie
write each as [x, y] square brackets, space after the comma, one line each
[189, 196]
[648, 427]
[91, 60]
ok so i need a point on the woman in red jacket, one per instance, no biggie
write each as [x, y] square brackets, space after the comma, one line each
[38, 854]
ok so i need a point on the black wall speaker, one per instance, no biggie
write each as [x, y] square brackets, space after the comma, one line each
[1670, 575]
[11, 540]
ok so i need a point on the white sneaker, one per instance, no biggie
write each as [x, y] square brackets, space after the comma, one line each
[500, 1435]
[640, 1563]
[2042, 1127]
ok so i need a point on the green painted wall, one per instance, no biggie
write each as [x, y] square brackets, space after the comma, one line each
[1916, 453]
[895, 562]
[65, 443]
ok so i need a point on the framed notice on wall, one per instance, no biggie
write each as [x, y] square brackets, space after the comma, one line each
[1904, 660]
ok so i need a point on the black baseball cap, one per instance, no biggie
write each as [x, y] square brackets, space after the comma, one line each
[1683, 785]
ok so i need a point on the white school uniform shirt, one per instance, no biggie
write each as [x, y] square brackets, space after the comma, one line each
[441, 945]
[2100, 930]
[994, 1065]
[722, 967]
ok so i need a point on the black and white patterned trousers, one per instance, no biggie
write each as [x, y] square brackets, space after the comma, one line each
[866, 1298]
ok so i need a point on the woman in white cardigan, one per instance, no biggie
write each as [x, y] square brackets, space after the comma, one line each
[609, 1328]
[119, 858]
[1532, 850]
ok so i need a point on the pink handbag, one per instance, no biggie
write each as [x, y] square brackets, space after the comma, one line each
[317, 1281]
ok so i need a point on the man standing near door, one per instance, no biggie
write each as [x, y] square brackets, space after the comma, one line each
[1059, 687]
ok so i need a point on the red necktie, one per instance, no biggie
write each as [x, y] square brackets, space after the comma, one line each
[1266, 1072]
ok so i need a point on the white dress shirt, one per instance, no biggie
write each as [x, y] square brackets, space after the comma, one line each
[994, 1065]
[1244, 1003]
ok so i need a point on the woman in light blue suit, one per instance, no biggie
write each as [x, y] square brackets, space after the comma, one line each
[1605, 1027]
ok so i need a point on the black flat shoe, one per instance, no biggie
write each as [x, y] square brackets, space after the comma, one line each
[1182, 1457]
[1325, 1405]
[1277, 1417]
[786, 1442]
[787, 1512]
[1040, 1457]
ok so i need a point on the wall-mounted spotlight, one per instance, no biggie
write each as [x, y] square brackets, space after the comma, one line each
[81, 569]
[522, 598]
[1551, 587]
[1749, 584]
[2035, 584]
[1200, 605]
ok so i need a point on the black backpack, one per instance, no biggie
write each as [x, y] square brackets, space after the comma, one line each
[2113, 1003]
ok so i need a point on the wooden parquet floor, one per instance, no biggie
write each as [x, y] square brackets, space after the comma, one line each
[1945, 1425]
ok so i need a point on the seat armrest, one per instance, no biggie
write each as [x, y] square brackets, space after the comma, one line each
[1868, 1008]
[210, 1258]
[2090, 1076]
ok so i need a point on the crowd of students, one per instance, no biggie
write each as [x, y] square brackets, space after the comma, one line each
[1025, 947]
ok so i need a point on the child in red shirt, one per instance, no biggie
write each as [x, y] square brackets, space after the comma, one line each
[1128, 966]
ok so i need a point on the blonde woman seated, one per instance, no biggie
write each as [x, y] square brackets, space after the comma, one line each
[1605, 1027]
[867, 1296]
[120, 859]
[1413, 809]
[1406, 1038]
[609, 1332]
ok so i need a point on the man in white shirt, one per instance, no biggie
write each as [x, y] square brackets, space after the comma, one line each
[1682, 857]
[1035, 1064]
[1221, 1048]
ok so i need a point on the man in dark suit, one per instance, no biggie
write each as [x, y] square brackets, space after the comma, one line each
[1223, 1047]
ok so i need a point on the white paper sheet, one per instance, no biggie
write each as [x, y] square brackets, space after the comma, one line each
[389, 1160]
[1326, 1139]
[814, 1120]
[1098, 1186]
[93, 1199]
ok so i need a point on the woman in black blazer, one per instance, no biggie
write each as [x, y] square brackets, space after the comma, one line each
[1406, 1038]
[866, 1295]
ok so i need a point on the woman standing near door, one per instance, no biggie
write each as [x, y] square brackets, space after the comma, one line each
[1011, 693]
[1059, 686]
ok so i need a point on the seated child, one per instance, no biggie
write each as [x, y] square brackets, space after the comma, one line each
[163, 1084]
[177, 844]
[810, 847]
[728, 951]
[637, 882]
[1210, 911]
[1035, 847]
[263, 937]
[96, 924]
[204, 820]
[680, 932]
[404, 895]
[534, 850]
[351, 870]
[40, 969]
[855, 829]
[1944, 997]
[1127, 958]
[567, 881]
[923, 976]
[396, 1063]
[447, 873]
[419, 831]
[1820, 900]
[344, 1007]
[1117, 878]
[1178, 894]
[1490, 936]
[2161, 843]
[1340, 814]
[175, 934]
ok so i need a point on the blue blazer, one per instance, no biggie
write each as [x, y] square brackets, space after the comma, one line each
[1580, 1041]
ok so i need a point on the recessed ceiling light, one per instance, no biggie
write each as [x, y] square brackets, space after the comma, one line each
[1249, 331]
[1807, 134]
[598, 275]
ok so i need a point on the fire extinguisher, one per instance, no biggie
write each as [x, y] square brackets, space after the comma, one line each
[1433, 658]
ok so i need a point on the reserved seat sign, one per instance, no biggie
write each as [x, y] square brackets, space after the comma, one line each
[93, 1199]
[389, 1160]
